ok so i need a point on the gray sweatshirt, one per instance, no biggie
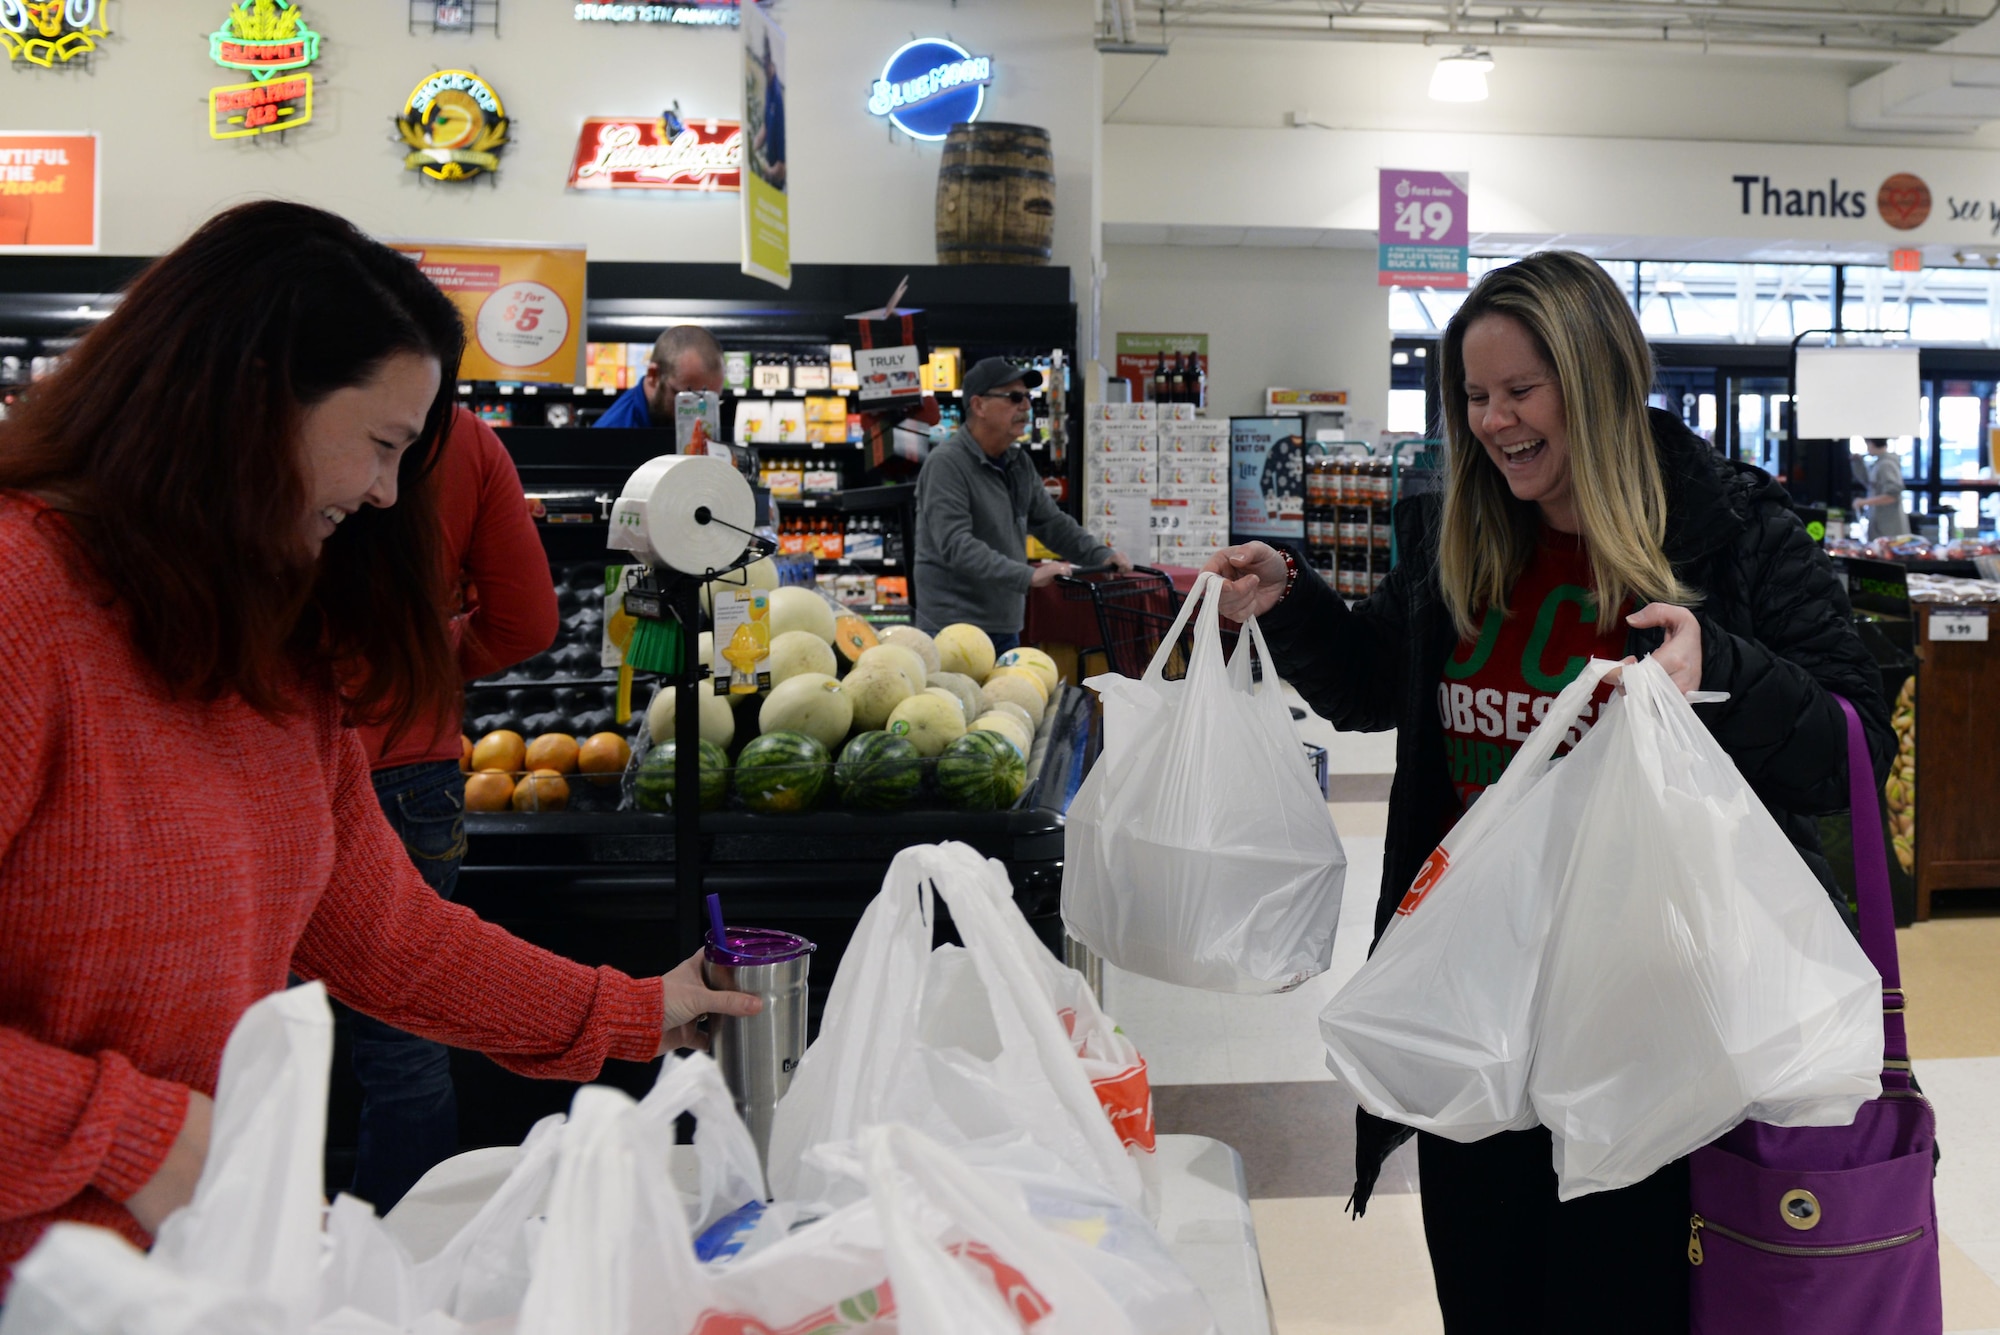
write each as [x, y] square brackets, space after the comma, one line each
[973, 521]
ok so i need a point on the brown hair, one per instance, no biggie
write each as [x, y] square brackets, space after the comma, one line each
[170, 438]
[1588, 337]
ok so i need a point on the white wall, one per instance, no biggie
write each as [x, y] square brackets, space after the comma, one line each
[859, 193]
[1303, 319]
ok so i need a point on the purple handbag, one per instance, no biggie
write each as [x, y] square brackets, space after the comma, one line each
[1827, 1229]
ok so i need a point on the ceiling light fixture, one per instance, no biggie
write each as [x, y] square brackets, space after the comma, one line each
[1461, 76]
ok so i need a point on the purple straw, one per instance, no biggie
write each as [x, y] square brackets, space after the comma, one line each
[719, 935]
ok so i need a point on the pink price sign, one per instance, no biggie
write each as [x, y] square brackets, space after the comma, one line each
[1422, 237]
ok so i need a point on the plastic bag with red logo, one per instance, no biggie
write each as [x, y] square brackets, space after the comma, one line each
[993, 1039]
[1437, 1029]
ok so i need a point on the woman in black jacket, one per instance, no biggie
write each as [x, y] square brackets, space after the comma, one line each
[1564, 496]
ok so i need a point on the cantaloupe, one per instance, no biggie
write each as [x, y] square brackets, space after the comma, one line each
[1015, 688]
[875, 692]
[966, 649]
[1007, 726]
[800, 651]
[941, 691]
[965, 688]
[904, 660]
[912, 638]
[1036, 662]
[795, 607]
[812, 703]
[757, 575]
[718, 721]
[930, 722]
[1013, 711]
[1025, 674]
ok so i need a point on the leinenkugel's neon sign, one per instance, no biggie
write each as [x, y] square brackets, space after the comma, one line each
[268, 40]
[52, 32]
[929, 85]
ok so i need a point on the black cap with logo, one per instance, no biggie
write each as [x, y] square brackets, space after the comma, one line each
[993, 372]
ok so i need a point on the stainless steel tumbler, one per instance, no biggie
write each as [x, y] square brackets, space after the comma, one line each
[758, 1055]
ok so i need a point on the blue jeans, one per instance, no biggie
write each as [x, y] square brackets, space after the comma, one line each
[1002, 643]
[409, 1111]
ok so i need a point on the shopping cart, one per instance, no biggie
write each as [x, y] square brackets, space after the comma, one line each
[1135, 610]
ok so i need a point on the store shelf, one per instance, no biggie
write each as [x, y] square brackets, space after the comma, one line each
[852, 563]
[853, 499]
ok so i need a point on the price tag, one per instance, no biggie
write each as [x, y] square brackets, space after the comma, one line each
[522, 324]
[1167, 516]
[1960, 625]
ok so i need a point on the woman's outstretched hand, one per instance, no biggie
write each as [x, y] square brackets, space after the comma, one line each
[1254, 576]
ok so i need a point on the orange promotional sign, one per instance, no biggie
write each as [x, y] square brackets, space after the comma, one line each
[48, 190]
[522, 305]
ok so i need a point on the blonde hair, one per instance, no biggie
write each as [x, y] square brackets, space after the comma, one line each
[1587, 335]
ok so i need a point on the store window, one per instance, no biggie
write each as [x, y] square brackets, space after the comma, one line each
[1931, 305]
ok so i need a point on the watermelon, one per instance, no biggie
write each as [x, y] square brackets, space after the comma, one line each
[653, 785]
[981, 771]
[781, 772]
[878, 770]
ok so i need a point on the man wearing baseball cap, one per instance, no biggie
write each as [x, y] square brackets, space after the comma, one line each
[979, 498]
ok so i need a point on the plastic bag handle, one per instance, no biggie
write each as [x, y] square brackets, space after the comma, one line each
[1199, 598]
[1249, 637]
[1541, 745]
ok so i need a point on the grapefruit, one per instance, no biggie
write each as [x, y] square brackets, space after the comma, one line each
[501, 750]
[488, 790]
[541, 790]
[552, 750]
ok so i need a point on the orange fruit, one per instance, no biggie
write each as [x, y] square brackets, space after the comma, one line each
[500, 750]
[552, 750]
[488, 790]
[464, 754]
[542, 790]
[604, 754]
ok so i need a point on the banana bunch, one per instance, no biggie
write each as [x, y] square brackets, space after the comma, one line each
[1901, 788]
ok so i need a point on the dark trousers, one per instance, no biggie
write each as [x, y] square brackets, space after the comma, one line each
[409, 1110]
[1002, 643]
[1508, 1257]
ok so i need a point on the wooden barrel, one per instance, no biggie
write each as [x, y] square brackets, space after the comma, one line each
[996, 195]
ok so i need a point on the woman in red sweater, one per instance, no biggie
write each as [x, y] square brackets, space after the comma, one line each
[215, 510]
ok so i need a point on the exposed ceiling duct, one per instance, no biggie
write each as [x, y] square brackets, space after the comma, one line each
[1953, 90]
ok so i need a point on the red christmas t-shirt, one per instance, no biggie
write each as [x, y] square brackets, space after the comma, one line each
[1497, 687]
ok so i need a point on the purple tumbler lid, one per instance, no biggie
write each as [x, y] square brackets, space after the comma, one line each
[746, 947]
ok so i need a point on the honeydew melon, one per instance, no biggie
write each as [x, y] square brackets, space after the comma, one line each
[902, 659]
[1007, 726]
[796, 652]
[966, 649]
[965, 688]
[795, 607]
[1018, 689]
[1036, 662]
[757, 575]
[811, 703]
[930, 722]
[718, 721]
[911, 638]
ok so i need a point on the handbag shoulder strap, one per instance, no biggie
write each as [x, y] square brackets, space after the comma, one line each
[1871, 892]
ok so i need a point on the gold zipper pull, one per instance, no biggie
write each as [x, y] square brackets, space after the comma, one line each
[1695, 1223]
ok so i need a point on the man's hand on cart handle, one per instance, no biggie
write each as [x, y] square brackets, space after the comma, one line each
[1254, 576]
[688, 998]
[1121, 563]
[1045, 573]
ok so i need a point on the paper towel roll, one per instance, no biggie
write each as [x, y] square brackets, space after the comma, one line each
[656, 514]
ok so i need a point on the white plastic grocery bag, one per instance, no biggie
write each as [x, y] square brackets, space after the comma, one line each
[1198, 850]
[996, 1039]
[1437, 1029]
[1698, 974]
[241, 1258]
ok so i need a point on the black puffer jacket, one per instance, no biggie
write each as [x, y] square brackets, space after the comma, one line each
[1776, 635]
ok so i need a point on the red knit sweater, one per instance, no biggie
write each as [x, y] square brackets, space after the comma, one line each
[162, 865]
[507, 605]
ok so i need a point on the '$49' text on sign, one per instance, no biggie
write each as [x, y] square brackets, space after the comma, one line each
[1422, 221]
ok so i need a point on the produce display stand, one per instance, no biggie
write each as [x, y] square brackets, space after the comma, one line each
[1957, 736]
[601, 888]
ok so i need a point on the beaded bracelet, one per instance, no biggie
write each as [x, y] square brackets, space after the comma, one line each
[1291, 572]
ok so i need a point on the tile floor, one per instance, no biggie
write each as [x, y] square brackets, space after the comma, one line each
[1249, 1071]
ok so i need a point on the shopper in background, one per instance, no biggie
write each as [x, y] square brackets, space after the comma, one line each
[1884, 503]
[685, 358]
[1575, 523]
[503, 608]
[979, 497]
[209, 518]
